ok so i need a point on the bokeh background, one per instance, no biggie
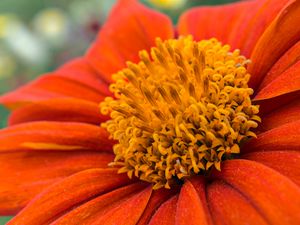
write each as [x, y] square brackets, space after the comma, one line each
[37, 36]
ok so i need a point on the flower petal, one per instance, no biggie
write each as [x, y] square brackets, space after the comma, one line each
[165, 215]
[25, 174]
[227, 204]
[281, 35]
[131, 27]
[285, 114]
[238, 24]
[286, 137]
[285, 162]
[68, 193]
[80, 70]
[54, 136]
[190, 207]
[287, 82]
[128, 211]
[90, 211]
[270, 104]
[156, 199]
[289, 58]
[274, 195]
[221, 20]
[61, 109]
[48, 87]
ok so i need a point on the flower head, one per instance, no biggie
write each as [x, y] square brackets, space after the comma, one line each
[180, 115]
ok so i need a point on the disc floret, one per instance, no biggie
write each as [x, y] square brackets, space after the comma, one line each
[180, 111]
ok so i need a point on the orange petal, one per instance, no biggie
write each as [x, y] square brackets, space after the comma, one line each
[25, 174]
[271, 104]
[281, 35]
[68, 193]
[48, 87]
[128, 211]
[285, 114]
[131, 27]
[190, 208]
[165, 215]
[157, 198]
[253, 25]
[61, 109]
[287, 82]
[227, 204]
[219, 24]
[54, 136]
[79, 70]
[286, 61]
[238, 24]
[286, 137]
[275, 196]
[285, 162]
[92, 210]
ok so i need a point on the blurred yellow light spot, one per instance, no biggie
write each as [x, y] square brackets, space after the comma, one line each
[168, 4]
[5, 20]
[51, 23]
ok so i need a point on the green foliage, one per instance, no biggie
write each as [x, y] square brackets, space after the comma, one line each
[4, 219]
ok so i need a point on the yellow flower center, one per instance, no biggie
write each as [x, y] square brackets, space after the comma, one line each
[180, 111]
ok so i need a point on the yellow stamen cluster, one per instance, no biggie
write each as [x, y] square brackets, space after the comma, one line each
[179, 111]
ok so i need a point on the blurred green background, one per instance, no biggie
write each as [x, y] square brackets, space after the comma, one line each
[36, 36]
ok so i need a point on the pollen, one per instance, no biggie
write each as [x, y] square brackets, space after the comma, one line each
[179, 112]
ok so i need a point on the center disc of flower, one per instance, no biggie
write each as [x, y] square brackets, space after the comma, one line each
[180, 111]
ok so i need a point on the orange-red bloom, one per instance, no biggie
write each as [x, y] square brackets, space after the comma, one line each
[54, 155]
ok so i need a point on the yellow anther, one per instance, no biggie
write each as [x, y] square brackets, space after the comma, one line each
[181, 111]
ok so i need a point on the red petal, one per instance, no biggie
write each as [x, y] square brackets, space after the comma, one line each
[227, 204]
[25, 174]
[131, 27]
[288, 81]
[285, 114]
[79, 70]
[271, 104]
[54, 136]
[238, 24]
[286, 61]
[281, 35]
[92, 210]
[61, 109]
[219, 24]
[157, 198]
[286, 162]
[48, 87]
[286, 137]
[68, 193]
[190, 208]
[128, 211]
[165, 215]
[275, 196]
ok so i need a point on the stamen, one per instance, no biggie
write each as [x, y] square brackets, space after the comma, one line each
[180, 112]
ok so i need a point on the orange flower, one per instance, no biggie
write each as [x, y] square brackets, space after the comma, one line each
[55, 156]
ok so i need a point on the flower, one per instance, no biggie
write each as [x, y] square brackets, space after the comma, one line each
[55, 156]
